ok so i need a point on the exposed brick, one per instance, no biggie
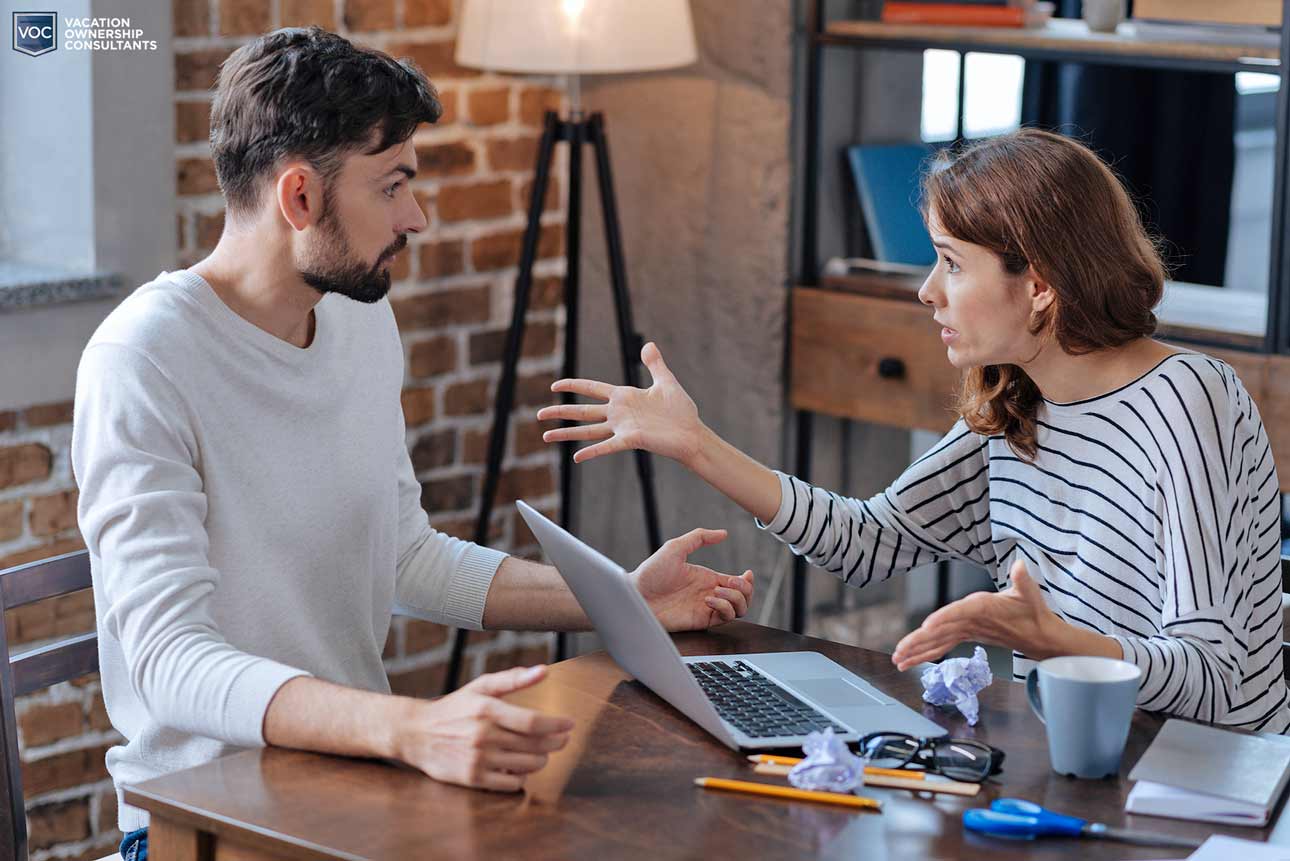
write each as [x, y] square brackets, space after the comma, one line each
[521, 535]
[477, 200]
[489, 346]
[436, 59]
[180, 241]
[502, 250]
[107, 811]
[369, 14]
[448, 494]
[391, 649]
[528, 435]
[421, 636]
[195, 176]
[243, 17]
[47, 723]
[209, 229]
[191, 18]
[534, 390]
[441, 259]
[418, 406]
[8, 420]
[401, 265]
[197, 70]
[54, 513]
[423, 683]
[488, 107]
[535, 102]
[98, 716]
[448, 159]
[10, 520]
[448, 101]
[434, 450]
[20, 464]
[427, 13]
[552, 200]
[47, 415]
[438, 355]
[512, 153]
[302, 13]
[462, 305]
[474, 448]
[192, 121]
[546, 293]
[526, 482]
[63, 822]
[465, 399]
[64, 770]
[54, 617]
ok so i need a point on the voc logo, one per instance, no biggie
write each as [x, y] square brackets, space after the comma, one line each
[35, 33]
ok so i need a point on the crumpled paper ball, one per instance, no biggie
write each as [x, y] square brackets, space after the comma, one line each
[957, 681]
[828, 766]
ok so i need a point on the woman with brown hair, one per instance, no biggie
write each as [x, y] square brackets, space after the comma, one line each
[1121, 492]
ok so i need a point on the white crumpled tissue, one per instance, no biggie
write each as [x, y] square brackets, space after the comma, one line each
[828, 765]
[957, 681]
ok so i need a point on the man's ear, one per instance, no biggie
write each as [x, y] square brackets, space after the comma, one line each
[298, 194]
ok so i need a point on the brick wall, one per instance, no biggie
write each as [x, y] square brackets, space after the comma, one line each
[452, 299]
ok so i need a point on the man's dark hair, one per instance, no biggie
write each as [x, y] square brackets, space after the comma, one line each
[310, 94]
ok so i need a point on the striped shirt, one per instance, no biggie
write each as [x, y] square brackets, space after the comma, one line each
[1150, 514]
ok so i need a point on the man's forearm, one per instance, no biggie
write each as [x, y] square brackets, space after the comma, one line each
[526, 596]
[310, 714]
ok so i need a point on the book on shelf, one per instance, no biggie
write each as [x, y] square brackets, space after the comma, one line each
[958, 14]
[1263, 13]
[1213, 34]
[887, 178]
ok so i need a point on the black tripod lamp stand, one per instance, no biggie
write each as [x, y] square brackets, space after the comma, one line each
[562, 36]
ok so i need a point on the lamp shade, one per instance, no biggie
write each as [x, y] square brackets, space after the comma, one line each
[575, 37]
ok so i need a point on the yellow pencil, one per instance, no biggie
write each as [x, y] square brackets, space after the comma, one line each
[869, 769]
[751, 788]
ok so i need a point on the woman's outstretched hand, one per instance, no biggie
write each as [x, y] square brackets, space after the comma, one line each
[661, 419]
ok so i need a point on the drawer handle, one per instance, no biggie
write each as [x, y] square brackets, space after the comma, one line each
[891, 368]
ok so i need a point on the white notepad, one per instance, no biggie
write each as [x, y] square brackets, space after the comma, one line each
[1196, 771]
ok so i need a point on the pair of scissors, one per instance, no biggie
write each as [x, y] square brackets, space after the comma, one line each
[1014, 817]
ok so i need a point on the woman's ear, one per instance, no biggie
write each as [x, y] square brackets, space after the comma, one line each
[1042, 296]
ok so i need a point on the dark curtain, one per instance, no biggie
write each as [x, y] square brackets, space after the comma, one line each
[1168, 134]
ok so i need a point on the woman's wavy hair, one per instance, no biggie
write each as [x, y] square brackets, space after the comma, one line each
[1046, 202]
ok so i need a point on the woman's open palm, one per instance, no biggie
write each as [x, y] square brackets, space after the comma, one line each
[661, 419]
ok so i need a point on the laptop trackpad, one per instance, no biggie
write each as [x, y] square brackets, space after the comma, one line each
[834, 693]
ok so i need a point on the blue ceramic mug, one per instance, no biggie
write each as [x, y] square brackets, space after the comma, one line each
[1086, 704]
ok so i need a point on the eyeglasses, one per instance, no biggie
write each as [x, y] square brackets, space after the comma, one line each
[957, 758]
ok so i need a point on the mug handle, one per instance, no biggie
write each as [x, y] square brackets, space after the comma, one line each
[1032, 691]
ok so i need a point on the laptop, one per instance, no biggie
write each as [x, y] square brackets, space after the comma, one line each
[747, 701]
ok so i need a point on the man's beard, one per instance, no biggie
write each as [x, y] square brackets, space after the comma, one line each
[335, 271]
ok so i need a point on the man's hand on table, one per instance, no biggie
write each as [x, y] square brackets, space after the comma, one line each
[473, 738]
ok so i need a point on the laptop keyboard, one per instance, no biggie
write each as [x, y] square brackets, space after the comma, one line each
[754, 704]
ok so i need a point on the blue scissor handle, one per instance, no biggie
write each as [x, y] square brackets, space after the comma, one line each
[1015, 817]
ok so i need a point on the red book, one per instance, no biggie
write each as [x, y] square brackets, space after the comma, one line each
[953, 14]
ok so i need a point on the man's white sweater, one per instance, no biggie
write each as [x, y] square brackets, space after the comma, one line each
[251, 515]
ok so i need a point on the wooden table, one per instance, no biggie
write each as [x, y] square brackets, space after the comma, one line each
[623, 789]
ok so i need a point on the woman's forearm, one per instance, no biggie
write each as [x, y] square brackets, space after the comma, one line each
[754, 487]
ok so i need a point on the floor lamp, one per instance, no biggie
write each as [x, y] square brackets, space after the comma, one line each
[572, 38]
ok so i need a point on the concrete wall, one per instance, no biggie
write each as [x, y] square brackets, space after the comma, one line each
[702, 172]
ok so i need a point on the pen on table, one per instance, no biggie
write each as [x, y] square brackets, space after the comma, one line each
[750, 788]
[886, 778]
[868, 769]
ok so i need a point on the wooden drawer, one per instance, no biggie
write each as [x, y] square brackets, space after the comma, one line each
[875, 360]
[840, 339]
